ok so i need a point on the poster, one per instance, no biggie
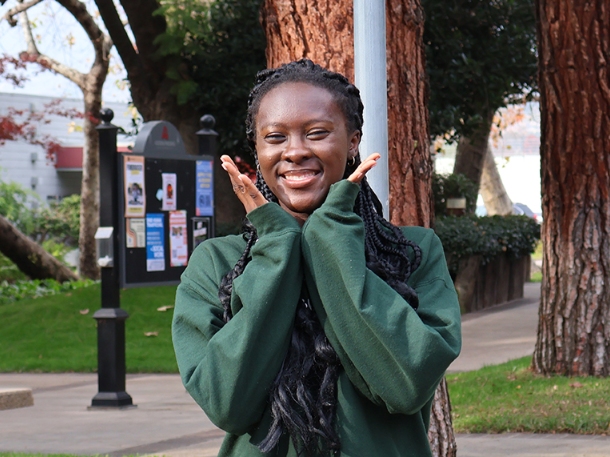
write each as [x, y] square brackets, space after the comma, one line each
[135, 197]
[155, 243]
[204, 189]
[178, 244]
[169, 191]
[135, 231]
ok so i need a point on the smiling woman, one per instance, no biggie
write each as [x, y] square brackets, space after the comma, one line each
[324, 329]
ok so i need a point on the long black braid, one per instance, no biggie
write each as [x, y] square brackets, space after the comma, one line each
[303, 397]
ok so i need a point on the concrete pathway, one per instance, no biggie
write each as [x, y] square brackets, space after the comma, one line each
[167, 422]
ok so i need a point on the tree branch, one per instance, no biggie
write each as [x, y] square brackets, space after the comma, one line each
[47, 62]
[20, 8]
[79, 11]
[119, 36]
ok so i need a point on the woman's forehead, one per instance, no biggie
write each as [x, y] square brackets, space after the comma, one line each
[298, 99]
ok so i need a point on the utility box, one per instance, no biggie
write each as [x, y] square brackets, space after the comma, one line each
[166, 198]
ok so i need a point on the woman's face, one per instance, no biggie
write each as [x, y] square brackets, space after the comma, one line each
[303, 144]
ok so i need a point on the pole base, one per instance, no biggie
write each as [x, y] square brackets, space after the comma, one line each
[112, 400]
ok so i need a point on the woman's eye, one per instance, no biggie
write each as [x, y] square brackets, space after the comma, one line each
[317, 134]
[274, 137]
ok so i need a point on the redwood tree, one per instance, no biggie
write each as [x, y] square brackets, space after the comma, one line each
[574, 318]
[322, 31]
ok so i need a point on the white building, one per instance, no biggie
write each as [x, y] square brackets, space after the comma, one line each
[28, 165]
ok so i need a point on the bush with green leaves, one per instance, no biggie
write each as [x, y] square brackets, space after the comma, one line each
[11, 292]
[487, 236]
[453, 186]
[16, 206]
[60, 221]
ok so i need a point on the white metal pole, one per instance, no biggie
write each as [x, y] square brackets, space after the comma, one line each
[371, 79]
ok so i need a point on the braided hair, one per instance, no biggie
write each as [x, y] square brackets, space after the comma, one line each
[303, 398]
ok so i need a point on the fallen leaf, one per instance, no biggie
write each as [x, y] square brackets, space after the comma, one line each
[84, 311]
[576, 385]
[165, 308]
[151, 333]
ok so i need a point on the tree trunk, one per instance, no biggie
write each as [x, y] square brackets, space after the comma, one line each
[322, 31]
[90, 183]
[574, 318]
[492, 188]
[409, 159]
[29, 257]
[471, 150]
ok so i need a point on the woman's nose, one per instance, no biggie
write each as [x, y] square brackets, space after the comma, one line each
[296, 150]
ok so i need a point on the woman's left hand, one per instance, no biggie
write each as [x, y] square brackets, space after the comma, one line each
[243, 187]
[364, 168]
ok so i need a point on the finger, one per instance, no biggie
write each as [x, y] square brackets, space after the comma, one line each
[364, 168]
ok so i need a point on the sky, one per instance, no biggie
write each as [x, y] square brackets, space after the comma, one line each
[59, 36]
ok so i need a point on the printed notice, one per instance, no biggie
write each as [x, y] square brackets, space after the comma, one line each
[169, 191]
[204, 190]
[155, 243]
[135, 198]
[178, 243]
[135, 231]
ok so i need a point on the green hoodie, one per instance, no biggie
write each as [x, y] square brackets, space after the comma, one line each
[392, 356]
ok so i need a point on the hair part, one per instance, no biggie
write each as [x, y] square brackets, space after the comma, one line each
[303, 397]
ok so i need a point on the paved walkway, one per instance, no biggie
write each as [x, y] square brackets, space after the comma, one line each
[167, 422]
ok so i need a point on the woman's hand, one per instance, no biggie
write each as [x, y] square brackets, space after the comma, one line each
[243, 187]
[364, 168]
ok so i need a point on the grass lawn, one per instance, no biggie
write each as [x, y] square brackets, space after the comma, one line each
[510, 398]
[58, 333]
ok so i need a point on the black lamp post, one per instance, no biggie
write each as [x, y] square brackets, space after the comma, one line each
[110, 318]
[207, 135]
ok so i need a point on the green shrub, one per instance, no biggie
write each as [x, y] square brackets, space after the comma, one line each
[37, 288]
[486, 236]
[453, 186]
[15, 206]
[60, 221]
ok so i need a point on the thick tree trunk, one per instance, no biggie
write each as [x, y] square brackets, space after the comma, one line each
[29, 257]
[492, 188]
[322, 31]
[574, 317]
[409, 159]
[471, 150]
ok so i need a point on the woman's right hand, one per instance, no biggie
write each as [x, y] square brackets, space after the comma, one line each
[243, 187]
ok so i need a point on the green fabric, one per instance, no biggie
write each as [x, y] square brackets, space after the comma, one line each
[392, 356]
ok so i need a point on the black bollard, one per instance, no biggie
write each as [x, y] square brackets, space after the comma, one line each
[110, 318]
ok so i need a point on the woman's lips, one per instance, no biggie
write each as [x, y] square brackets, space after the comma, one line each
[296, 179]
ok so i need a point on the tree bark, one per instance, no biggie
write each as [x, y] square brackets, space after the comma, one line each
[471, 150]
[29, 257]
[492, 188]
[409, 159]
[574, 318]
[322, 31]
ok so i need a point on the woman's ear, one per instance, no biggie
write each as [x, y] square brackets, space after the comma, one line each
[354, 143]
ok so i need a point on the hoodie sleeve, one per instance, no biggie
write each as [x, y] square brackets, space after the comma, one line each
[393, 355]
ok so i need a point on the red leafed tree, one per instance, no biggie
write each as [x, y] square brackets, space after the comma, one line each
[322, 30]
[574, 318]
